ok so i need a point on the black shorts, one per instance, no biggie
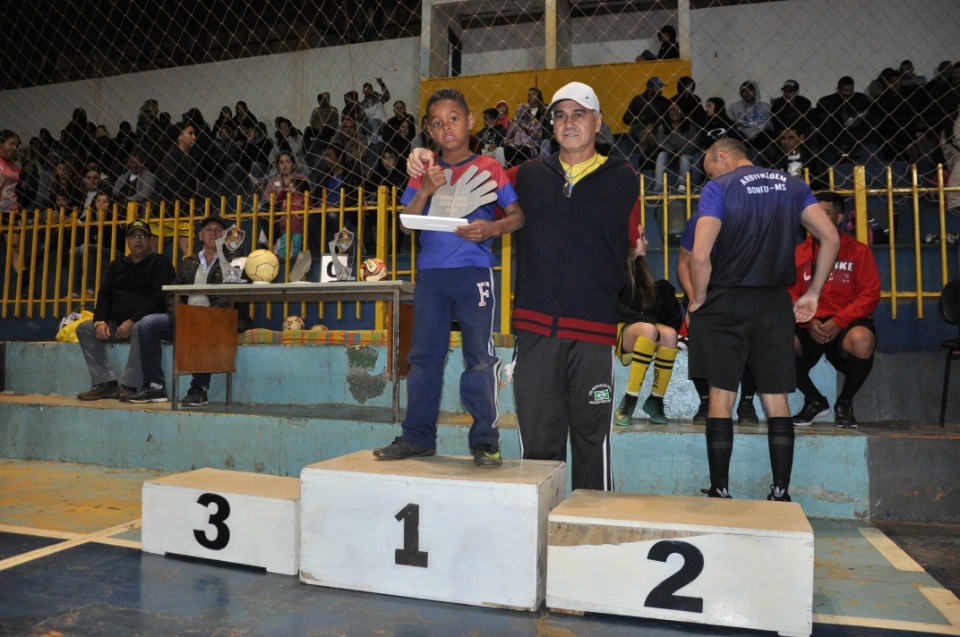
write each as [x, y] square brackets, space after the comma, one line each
[833, 349]
[744, 327]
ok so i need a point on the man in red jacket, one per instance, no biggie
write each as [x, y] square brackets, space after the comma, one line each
[842, 328]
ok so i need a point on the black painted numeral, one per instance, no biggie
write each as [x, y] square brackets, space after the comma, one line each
[222, 537]
[410, 554]
[662, 595]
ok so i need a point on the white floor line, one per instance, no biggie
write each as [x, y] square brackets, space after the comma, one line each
[894, 554]
[69, 544]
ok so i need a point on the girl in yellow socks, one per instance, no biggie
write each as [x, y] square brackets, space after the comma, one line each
[649, 316]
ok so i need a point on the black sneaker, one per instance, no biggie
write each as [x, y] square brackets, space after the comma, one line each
[196, 397]
[149, 395]
[101, 391]
[625, 410]
[812, 410]
[700, 418]
[747, 413]
[486, 456]
[400, 449]
[714, 492]
[778, 495]
[126, 392]
[844, 415]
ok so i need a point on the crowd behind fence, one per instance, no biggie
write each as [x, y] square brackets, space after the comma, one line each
[57, 257]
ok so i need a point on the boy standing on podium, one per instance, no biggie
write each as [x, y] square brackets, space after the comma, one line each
[455, 281]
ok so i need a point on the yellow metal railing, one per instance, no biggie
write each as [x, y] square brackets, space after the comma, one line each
[56, 280]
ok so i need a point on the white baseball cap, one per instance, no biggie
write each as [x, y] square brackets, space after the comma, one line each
[579, 93]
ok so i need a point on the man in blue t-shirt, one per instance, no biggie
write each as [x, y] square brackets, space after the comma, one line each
[740, 312]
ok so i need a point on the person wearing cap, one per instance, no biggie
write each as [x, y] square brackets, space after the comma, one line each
[132, 290]
[792, 110]
[202, 269]
[644, 113]
[504, 114]
[570, 271]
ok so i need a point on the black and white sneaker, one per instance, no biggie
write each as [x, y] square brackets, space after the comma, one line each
[812, 410]
[196, 397]
[400, 449]
[843, 411]
[149, 395]
[778, 495]
[714, 492]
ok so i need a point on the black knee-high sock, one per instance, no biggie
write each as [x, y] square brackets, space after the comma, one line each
[855, 371]
[780, 442]
[703, 388]
[719, 450]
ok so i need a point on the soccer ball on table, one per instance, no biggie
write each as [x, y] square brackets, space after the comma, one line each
[373, 269]
[262, 266]
[293, 323]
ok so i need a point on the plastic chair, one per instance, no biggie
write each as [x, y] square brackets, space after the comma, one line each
[950, 311]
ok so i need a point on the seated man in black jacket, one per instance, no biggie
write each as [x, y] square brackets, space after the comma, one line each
[203, 268]
[133, 289]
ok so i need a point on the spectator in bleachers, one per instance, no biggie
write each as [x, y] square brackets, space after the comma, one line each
[27, 188]
[65, 178]
[423, 139]
[242, 112]
[792, 110]
[106, 151]
[126, 140]
[648, 316]
[91, 240]
[718, 124]
[225, 118]
[92, 184]
[253, 159]
[47, 142]
[950, 145]
[400, 140]
[669, 47]
[74, 136]
[943, 96]
[324, 122]
[900, 131]
[645, 111]
[9, 179]
[133, 290]
[843, 120]
[795, 158]
[909, 77]
[842, 328]
[287, 182]
[288, 139]
[338, 183]
[522, 141]
[352, 109]
[689, 102]
[751, 117]
[137, 184]
[401, 115]
[354, 143]
[388, 173]
[504, 118]
[537, 108]
[376, 114]
[177, 182]
[677, 139]
[203, 269]
[492, 135]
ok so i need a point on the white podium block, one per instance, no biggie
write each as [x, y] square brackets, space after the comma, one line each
[434, 528]
[743, 563]
[232, 516]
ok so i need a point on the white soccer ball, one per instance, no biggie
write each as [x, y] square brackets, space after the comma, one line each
[293, 323]
[373, 269]
[262, 265]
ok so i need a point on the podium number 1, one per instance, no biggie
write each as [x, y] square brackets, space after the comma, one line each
[219, 540]
[662, 595]
[410, 554]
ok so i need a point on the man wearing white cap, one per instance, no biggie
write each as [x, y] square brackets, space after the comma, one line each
[571, 265]
[571, 258]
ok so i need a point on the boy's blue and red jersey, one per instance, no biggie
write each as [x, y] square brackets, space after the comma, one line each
[447, 249]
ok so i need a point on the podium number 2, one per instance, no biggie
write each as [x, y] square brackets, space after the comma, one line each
[662, 595]
[410, 554]
[219, 540]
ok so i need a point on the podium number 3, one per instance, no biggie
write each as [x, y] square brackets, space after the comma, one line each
[219, 540]
[410, 554]
[662, 595]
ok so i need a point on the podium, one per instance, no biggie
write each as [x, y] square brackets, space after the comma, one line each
[743, 563]
[433, 528]
[231, 516]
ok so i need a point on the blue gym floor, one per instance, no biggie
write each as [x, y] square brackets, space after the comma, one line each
[71, 565]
